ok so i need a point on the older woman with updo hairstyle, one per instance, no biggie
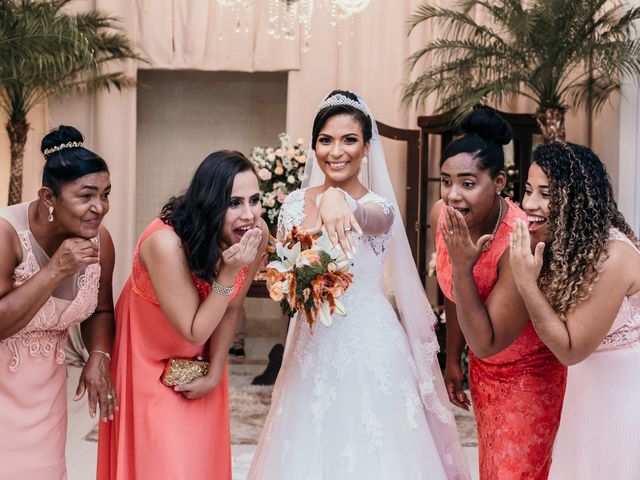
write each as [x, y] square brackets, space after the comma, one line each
[516, 383]
[56, 263]
[581, 287]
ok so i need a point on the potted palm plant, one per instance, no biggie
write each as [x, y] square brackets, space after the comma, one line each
[559, 53]
[45, 51]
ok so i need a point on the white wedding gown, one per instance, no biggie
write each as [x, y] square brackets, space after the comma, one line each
[346, 404]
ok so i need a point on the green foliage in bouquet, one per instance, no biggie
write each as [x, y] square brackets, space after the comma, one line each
[280, 172]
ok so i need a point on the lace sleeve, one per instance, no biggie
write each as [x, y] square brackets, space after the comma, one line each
[374, 214]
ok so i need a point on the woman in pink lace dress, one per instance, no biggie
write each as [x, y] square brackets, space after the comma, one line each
[191, 271]
[516, 383]
[582, 290]
[56, 262]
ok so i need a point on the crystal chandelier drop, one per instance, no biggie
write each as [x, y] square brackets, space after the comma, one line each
[238, 7]
[286, 15]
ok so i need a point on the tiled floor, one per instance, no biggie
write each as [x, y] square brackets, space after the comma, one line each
[81, 454]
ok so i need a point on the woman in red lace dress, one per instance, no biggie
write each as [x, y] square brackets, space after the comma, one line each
[183, 298]
[517, 385]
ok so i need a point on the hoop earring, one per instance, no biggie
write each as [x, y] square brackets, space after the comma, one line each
[50, 217]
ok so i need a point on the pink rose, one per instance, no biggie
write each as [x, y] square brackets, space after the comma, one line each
[264, 174]
[281, 197]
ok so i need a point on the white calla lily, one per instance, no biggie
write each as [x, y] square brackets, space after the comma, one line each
[288, 257]
[339, 308]
[324, 315]
[324, 244]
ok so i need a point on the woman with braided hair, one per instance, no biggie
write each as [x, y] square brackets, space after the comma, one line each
[581, 287]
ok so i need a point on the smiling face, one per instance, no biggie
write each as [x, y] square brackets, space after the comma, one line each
[244, 209]
[81, 205]
[340, 148]
[469, 190]
[536, 203]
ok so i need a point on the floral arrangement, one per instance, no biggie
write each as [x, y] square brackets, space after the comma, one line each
[280, 172]
[306, 273]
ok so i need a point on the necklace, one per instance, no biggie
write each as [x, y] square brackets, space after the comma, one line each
[487, 244]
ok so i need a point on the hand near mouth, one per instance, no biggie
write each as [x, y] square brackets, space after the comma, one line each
[244, 252]
[526, 266]
[462, 251]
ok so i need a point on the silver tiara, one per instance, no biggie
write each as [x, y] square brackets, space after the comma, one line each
[62, 146]
[340, 99]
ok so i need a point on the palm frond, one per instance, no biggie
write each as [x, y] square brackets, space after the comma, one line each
[560, 53]
[45, 51]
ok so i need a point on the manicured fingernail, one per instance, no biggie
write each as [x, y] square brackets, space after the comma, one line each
[92, 414]
[110, 417]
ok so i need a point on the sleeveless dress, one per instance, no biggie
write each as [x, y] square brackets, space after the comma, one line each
[599, 435]
[346, 403]
[33, 376]
[158, 433]
[517, 394]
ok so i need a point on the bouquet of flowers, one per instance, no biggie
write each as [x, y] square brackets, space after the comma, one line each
[308, 274]
[280, 171]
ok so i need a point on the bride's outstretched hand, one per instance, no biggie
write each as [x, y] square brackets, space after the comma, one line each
[525, 266]
[244, 252]
[336, 217]
[462, 251]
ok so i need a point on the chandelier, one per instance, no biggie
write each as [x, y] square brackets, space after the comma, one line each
[285, 16]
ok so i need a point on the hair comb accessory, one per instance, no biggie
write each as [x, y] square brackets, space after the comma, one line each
[340, 99]
[62, 146]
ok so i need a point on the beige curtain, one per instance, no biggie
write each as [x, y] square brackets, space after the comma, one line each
[200, 34]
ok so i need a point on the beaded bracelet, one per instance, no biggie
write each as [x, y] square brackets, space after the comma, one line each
[221, 290]
[108, 355]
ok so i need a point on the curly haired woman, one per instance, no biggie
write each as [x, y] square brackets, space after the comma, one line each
[582, 290]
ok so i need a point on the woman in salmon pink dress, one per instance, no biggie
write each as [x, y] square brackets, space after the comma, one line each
[192, 268]
[517, 385]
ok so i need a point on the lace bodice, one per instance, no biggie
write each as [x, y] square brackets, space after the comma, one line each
[71, 303]
[625, 329]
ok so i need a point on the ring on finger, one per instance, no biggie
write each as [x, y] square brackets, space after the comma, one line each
[109, 396]
[450, 232]
[348, 229]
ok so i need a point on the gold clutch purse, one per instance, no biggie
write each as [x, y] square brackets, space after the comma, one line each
[178, 371]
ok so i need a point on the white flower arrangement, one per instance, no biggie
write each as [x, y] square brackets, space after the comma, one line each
[280, 172]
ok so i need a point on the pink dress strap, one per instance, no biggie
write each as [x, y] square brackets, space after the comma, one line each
[625, 330]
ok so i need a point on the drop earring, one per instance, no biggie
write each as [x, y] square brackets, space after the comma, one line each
[50, 217]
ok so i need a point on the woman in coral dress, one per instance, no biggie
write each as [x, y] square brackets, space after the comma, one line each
[516, 383]
[56, 261]
[177, 305]
[583, 294]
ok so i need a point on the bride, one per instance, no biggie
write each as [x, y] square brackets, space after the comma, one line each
[363, 399]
